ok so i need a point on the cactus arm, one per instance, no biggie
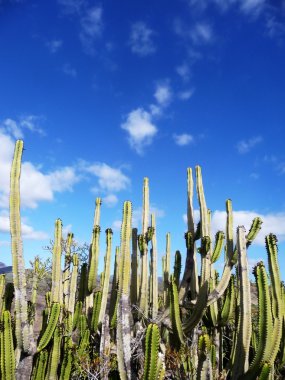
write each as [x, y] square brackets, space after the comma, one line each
[177, 268]
[204, 370]
[56, 263]
[135, 262]
[66, 272]
[96, 310]
[73, 283]
[106, 275]
[97, 212]
[144, 252]
[114, 291]
[2, 293]
[19, 278]
[228, 306]
[220, 236]
[54, 356]
[93, 268]
[175, 314]
[52, 322]
[244, 321]
[84, 343]
[7, 348]
[151, 353]
[199, 310]
[154, 286]
[41, 365]
[105, 348]
[123, 312]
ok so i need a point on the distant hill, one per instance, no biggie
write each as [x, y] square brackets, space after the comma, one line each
[4, 269]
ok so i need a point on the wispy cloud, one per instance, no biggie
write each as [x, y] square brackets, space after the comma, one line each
[110, 200]
[275, 28]
[71, 6]
[140, 129]
[163, 94]
[91, 27]
[183, 71]
[200, 33]
[252, 7]
[141, 39]
[185, 95]
[16, 127]
[54, 45]
[183, 139]
[69, 70]
[244, 146]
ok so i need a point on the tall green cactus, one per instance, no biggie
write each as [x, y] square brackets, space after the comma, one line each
[144, 252]
[7, 348]
[106, 275]
[151, 361]
[123, 319]
[56, 286]
[154, 279]
[23, 337]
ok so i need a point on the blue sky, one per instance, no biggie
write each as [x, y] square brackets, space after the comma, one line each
[106, 93]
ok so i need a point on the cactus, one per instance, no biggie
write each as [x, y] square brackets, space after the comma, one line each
[143, 301]
[178, 338]
[123, 313]
[66, 271]
[52, 322]
[56, 287]
[41, 365]
[154, 280]
[23, 337]
[2, 292]
[7, 348]
[73, 283]
[151, 363]
[54, 356]
[106, 275]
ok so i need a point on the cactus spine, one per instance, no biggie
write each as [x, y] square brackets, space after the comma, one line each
[7, 348]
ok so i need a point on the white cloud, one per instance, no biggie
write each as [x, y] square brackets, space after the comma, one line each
[35, 185]
[71, 6]
[54, 45]
[274, 27]
[69, 70]
[163, 94]
[16, 127]
[272, 223]
[185, 95]
[141, 39]
[110, 200]
[28, 231]
[183, 139]
[244, 146]
[140, 128]
[109, 179]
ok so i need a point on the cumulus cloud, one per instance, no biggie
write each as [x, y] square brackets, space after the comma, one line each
[141, 42]
[110, 200]
[183, 139]
[54, 45]
[28, 232]
[272, 223]
[109, 179]
[245, 146]
[140, 129]
[163, 94]
[35, 185]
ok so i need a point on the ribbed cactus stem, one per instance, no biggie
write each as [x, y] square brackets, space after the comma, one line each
[144, 259]
[114, 290]
[154, 279]
[66, 271]
[135, 267]
[244, 319]
[93, 266]
[97, 212]
[23, 337]
[123, 322]
[56, 286]
[106, 275]
[7, 370]
[206, 259]
[73, 284]
[2, 292]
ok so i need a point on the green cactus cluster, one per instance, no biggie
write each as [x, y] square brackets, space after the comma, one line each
[199, 325]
